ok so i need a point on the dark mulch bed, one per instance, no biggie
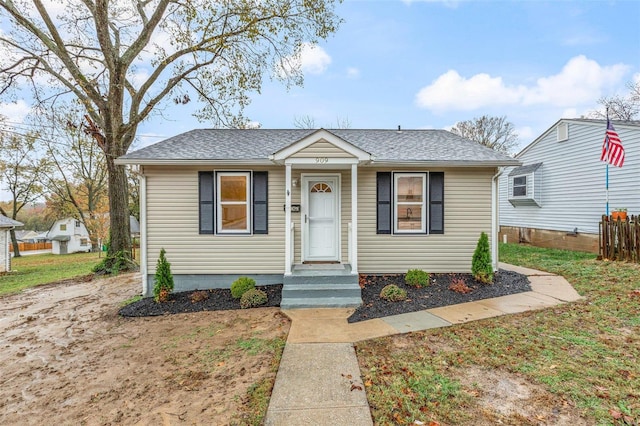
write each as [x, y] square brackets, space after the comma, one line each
[435, 295]
[218, 300]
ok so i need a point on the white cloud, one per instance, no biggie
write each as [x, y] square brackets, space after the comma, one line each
[309, 59]
[353, 72]
[581, 81]
[14, 112]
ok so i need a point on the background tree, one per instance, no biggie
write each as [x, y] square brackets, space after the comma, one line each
[123, 60]
[309, 122]
[493, 132]
[620, 107]
[77, 184]
[20, 170]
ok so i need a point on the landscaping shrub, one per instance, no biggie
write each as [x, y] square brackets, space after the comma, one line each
[417, 278]
[253, 298]
[481, 267]
[199, 296]
[241, 286]
[163, 279]
[393, 293]
[459, 286]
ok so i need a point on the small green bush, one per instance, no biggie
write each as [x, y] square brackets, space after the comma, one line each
[241, 286]
[253, 298]
[393, 293]
[416, 278]
[481, 267]
[163, 279]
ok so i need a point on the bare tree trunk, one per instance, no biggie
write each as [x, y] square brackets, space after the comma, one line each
[14, 243]
[120, 237]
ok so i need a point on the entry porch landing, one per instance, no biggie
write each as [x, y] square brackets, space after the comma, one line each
[330, 285]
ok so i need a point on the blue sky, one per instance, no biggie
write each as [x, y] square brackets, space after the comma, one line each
[430, 64]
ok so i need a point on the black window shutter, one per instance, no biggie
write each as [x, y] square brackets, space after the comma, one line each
[206, 197]
[260, 199]
[383, 203]
[436, 203]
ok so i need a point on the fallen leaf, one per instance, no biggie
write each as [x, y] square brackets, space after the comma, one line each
[615, 414]
[348, 376]
[355, 387]
[368, 383]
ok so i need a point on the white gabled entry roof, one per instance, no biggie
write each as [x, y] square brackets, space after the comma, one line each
[317, 136]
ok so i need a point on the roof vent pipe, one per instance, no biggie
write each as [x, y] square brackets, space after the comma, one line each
[399, 129]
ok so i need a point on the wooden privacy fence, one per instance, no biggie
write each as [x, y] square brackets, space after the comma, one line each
[620, 239]
[31, 246]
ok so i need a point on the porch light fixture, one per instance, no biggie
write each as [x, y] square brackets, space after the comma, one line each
[294, 182]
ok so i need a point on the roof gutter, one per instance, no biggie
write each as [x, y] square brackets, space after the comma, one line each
[190, 162]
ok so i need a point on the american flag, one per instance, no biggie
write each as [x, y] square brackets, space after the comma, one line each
[612, 150]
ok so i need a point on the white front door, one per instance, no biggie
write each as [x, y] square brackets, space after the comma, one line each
[321, 219]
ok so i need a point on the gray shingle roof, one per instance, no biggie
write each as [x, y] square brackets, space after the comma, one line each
[259, 144]
[5, 222]
[523, 170]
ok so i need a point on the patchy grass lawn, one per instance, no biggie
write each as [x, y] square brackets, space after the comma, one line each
[572, 364]
[30, 271]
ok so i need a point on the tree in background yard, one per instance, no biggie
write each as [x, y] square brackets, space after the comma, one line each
[124, 61]
[620, 107]
[21, 167]
[493, 132]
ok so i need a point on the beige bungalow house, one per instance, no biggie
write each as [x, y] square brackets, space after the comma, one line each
[312, 209]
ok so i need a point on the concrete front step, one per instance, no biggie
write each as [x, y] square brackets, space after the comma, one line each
[319, 277]
[320, 302]
[320, 290]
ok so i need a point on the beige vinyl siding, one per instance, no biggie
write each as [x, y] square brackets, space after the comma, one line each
[321, 149]
[173, 224]
[467, 207]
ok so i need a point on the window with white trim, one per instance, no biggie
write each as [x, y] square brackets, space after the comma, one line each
[519, 186]
[233, 202]
[410, 201]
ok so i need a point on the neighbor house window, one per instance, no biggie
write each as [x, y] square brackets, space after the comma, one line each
[83, 241]
[63, 226]
[410, 190]
[519, 186]
[77, 224]
[233, 202]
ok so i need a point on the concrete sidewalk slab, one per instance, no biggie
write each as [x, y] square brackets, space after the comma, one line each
[464, 312]
[415, 321]
[522, 270]
[554, 286]
[521, 302]
[318, 384]
[330, 325]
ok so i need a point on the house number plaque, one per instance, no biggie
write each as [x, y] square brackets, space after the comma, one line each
[322, 160]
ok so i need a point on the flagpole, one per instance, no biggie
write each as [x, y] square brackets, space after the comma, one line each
[606, 192]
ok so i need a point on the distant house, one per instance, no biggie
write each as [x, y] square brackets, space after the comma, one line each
[29, 236]
[557, 197]
[310, 209]
[69, 236]
[6, 225]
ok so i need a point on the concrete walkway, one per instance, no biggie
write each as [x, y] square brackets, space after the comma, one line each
[319, 382]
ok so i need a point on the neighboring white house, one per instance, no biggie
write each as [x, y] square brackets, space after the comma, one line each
[69, 236]
[557, 197]
[6, 225]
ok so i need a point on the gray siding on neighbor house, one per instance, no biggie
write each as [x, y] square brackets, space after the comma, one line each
[573, 184]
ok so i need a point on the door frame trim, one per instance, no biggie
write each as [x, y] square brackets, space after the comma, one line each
[304, 227]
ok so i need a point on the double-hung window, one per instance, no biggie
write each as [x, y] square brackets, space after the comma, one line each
[519, 186]
[410, 203]
[410, 190]
[233, 202]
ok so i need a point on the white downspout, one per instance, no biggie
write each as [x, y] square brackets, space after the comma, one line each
[287, 220]
[494, 218]
[354, 218]
[143, 231]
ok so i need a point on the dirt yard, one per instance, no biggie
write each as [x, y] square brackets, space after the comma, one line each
[67, 358]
